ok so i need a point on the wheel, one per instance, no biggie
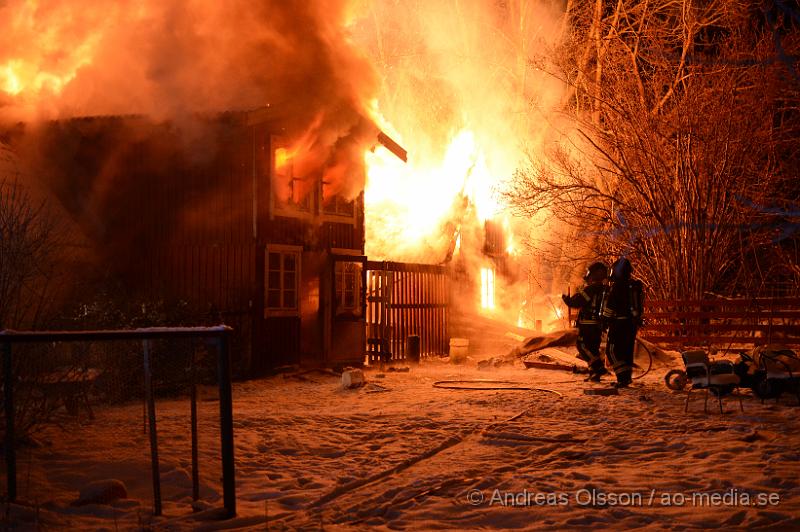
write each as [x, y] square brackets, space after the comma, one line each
[676, 379]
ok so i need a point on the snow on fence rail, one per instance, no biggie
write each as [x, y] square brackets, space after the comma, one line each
[221, 335]
[756, 321]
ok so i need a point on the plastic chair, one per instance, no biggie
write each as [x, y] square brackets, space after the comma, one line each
[715, 377]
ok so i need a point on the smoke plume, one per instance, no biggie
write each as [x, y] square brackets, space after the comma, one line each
[173, 60]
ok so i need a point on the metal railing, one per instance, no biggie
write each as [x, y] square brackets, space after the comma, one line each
[220, 333]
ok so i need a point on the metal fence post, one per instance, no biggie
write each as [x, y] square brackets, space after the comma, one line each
[7, 338]
[10, 443]
[226, 425]
[151, 414]
[195, 466]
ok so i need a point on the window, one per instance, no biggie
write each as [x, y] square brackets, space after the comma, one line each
[334, 205]
[493, 238]
[348, 288]
[283, 268]
[291, 193]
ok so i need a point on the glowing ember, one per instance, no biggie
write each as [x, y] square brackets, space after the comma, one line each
[282, 158]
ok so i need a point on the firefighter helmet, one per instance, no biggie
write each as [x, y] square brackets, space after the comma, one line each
[621, 270]
[597, 271]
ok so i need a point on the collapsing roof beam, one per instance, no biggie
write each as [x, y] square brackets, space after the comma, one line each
[392, 146]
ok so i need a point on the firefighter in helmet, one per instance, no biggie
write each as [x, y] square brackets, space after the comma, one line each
[622, 313]
[589, 300]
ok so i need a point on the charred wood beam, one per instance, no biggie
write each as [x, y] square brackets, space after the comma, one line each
[392, 146]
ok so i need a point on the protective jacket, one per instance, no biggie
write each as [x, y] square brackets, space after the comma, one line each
[589, 300]
[622, 312]
[624, 302]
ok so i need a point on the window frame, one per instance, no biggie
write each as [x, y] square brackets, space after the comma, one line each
[342, 313]
[337, 217]
[278, 207]
[282, 251]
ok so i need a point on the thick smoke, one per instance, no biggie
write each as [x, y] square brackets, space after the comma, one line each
[177, 59]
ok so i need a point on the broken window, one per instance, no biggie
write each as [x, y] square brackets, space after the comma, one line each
[291, 193]
[282, 280]
[493, 238]
[336, 205]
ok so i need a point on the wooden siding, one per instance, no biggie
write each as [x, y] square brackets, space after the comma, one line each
[282, 343]
[180, 218]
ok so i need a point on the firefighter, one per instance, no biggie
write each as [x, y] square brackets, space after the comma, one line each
[622, 314]
[589, 300]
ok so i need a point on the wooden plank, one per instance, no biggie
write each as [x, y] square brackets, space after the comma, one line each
[439, 315]
[413, 281]
[431, 313]
[405, 297]
[399, 287]
[380, 309]
[435, 316]
[415, 314]
[445, 294]
[426, 313]
[391, 322]
[396, 299]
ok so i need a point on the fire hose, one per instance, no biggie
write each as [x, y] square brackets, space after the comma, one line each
[649, 364]
[464, 385]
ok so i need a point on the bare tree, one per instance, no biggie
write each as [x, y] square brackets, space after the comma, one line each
[27, 250]
[684, 135]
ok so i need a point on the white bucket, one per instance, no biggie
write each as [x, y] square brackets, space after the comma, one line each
[459, 347]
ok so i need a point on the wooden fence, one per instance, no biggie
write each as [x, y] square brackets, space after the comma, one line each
[723, 322]
[405, 299]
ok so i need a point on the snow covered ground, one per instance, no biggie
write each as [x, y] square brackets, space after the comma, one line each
[402, 454]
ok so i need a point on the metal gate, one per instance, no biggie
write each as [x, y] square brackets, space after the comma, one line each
[405, 299]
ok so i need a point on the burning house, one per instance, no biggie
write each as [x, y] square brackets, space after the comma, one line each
[227, 221]
[281, 220]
